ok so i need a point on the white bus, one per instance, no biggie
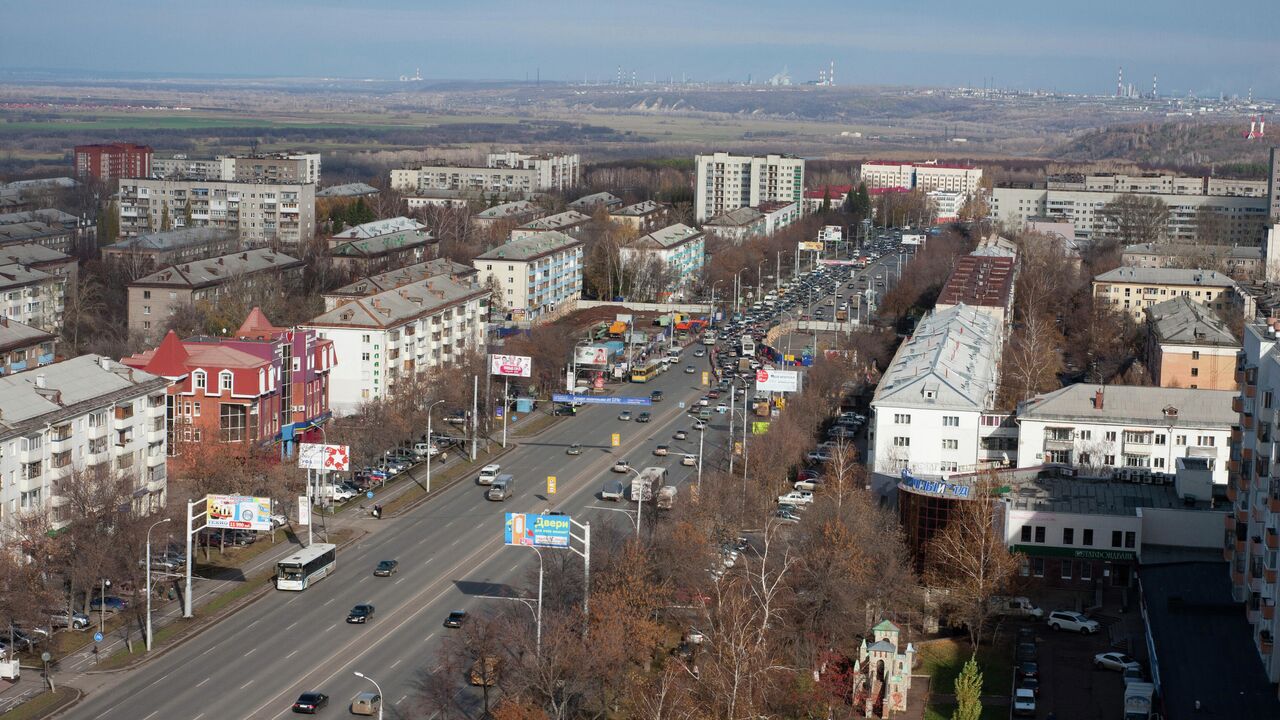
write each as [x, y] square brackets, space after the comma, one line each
[748, 346]
[308, 565]
[709, 337]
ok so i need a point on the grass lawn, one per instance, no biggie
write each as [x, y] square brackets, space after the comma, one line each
[943, 659]
[944, 712]
[42, 705]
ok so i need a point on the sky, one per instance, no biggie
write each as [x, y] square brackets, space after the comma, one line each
[1065, 45]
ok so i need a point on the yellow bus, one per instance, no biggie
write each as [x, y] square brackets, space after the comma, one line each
[645, 374]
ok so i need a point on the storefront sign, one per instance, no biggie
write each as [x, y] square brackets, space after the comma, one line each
[934, 487]
[1077, 553]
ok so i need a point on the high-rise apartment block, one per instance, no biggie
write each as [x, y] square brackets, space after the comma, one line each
[258, 213]
[926, 177]
[506, 174]
[110, 161]
[727, 182]
[286, 167]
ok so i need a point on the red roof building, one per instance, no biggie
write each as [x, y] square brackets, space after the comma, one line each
[266, 385]
[983, 282]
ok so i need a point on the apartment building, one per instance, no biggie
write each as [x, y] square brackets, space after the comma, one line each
[680, 248]
[506, 174]
[590, 203]
[49, 227]
[87, 414]
[171, 247]
[32, 297]
[44, 259]
[263, 385]
[737, 225]
[727, 182]
[947, 204]
[1240, 262]
[1273, 188]
[569, 222]
[1104, 430]
[1252, 536]
[23, 195]
[1189, 346]
[929, 410]
[155, 297]
[1243, 217]
[405, 331]
[832, 195]
[1133, 289]
[643, 216]
[379, 245]
[110, 161]
[513, 213]
[399, 277]
[272, 168]
[983, 283]
[927, 176]
[538, 277]
[258, 213]
[23, 347]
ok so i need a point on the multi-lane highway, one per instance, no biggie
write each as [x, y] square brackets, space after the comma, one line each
[255, 663]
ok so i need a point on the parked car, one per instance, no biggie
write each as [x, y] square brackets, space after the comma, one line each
[1073, 622]
[309, 702]
[797, 497]
[1024, 702]
[360, 614]
[456, 619]
[786, 516]
[66, 618]
[1028, 669]
[1117, 661]
[111, 604]
[1030, 683]
[1027, 652]
[386, 568]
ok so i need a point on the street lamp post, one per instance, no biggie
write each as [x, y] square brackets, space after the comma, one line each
[429, 444]
[377, 687]
[737, 288]
[104, 600]
[701, 434]
[759, 279]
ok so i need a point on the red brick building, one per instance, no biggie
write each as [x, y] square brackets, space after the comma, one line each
[265, 386]
[108, 161]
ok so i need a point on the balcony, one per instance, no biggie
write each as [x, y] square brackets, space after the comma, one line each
[1233, 466]
[1232, 495]
[1273, 504]
[1237, 577]
[1236, 434]
[1237, 403]
[1269, 576]
[1265, 643]
[1268, 612]
[1272, 539]
[1247, 422]
[1246, 454]
[1250, 391]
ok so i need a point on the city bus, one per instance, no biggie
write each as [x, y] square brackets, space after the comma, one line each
[748, 346]
[709, 337]
[647, 373]
[308, 565]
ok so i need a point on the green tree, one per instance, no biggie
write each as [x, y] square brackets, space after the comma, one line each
[968, 692]
[166, 223]
[858, 203]
[360, 213]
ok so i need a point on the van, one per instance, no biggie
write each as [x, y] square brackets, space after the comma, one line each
[366, 703]
[667, 497]
[1014, 606]
[488, 474]
[502, 488]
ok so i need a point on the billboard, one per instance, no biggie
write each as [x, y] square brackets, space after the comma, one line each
[810, 246]
[238, 512]
[591, 355]
[313, 456]
[600, 399]
[536, 530]
[510, 365]
[777, 380]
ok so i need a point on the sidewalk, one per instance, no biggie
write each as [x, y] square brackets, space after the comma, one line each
[78, 670]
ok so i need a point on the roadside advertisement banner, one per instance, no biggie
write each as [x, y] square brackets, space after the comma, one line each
[600, 399]
[759, 427]
[304, 510]
[510, 365]
[777, 380]
[238, 512]
[550, 531]
[313, 456]
[591, 355]
[810, 246]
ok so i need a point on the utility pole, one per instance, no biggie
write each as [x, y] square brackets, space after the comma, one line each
[475, 414]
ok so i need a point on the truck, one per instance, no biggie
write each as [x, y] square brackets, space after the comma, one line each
[667, 497]
[645, 484]
[842, 316]
[1137, 700]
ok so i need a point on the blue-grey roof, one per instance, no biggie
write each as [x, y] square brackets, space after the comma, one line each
[173, 239]
[348, 190]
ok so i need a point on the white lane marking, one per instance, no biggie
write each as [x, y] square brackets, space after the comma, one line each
[198, 716]
[247, 684]
[157, 712]
[394, 664]
[202, 682]
[251, 651]
[291, 625]
[398, 581]
[331, 627]
[402, 697]
[326, 602]
[295, 652]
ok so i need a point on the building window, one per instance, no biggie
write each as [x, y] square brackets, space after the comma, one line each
[1205, 441]
[1068, 536]
[901, 419]
[198, 380]
[1109, 460]
[1088, 537]
[224, 380]
[900, 441]
[197, 410]
[1130, 537]
[951, 421]
[1066, 569]
[1086, 570]
[1037, 566]
[1195, 372]
[1039, 533]
[951, 444]
[1085, 434]
[1110, 436]
[1181, 439]
[232, 421]
[1115, 538]
[1026, 533]
[1160, 438]
[1195, 354]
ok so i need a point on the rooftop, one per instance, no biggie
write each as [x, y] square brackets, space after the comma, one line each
[31, 254]
[926, 164]
[80, 380]
[173, 239]
[995, 246]
[47, 215]
[736, 218]
[395, 307]
[506, 210]
[15, 275]
[1166, 276]
[836, 193]
[949, 362]
[566, 219]
[348, 190]
[979, 280]
[530, 247]
[219, 269]
[403, 276]
[379, 228]
[639, 209]
[666, 238]
[1090, 496]
[14, 334]
[1183, 321]
[1133, 404]
[594, 199]
[1204, 644]
[18, 232]
[1239, 252]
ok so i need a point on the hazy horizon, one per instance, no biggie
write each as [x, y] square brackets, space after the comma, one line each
[1074, 47]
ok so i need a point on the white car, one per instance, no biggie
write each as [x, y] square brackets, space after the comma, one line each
[342, 494]
[689, 460]
[689, 370]
[700, 425]
[699, 352]
[621, 466]
[797, 497]
[722, 408]
[1073, 622]
[1024, 703]
[1115, 661]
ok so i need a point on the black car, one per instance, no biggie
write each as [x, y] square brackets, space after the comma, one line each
[360, 613]
[309, 702]
[386, 568]
[1026, 635]
[1028, 669]
[655, 396]
[561, 409]
[1027, 652]
[455, 619]
[643, 417]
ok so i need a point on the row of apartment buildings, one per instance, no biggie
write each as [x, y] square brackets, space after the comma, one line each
[504, 173]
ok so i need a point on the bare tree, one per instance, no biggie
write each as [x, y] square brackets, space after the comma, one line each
[1134, 218]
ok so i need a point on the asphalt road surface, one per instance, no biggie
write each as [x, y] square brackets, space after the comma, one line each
[255, 663]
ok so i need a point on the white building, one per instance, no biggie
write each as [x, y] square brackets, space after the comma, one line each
[554, 172]
[406, 330]
[32, 297]
[507, 174]
[1102, 430]
[258, 212]
[538, 276]
[86, 414]
[681, 248]
[947, 204]
[287, 167]
[727, 182]
[926, 176]
[929, 407]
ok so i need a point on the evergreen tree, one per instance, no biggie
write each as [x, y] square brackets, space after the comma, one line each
[360, 213]
[859, 203]
[108, 223]
[826, 200]
[968, 692]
